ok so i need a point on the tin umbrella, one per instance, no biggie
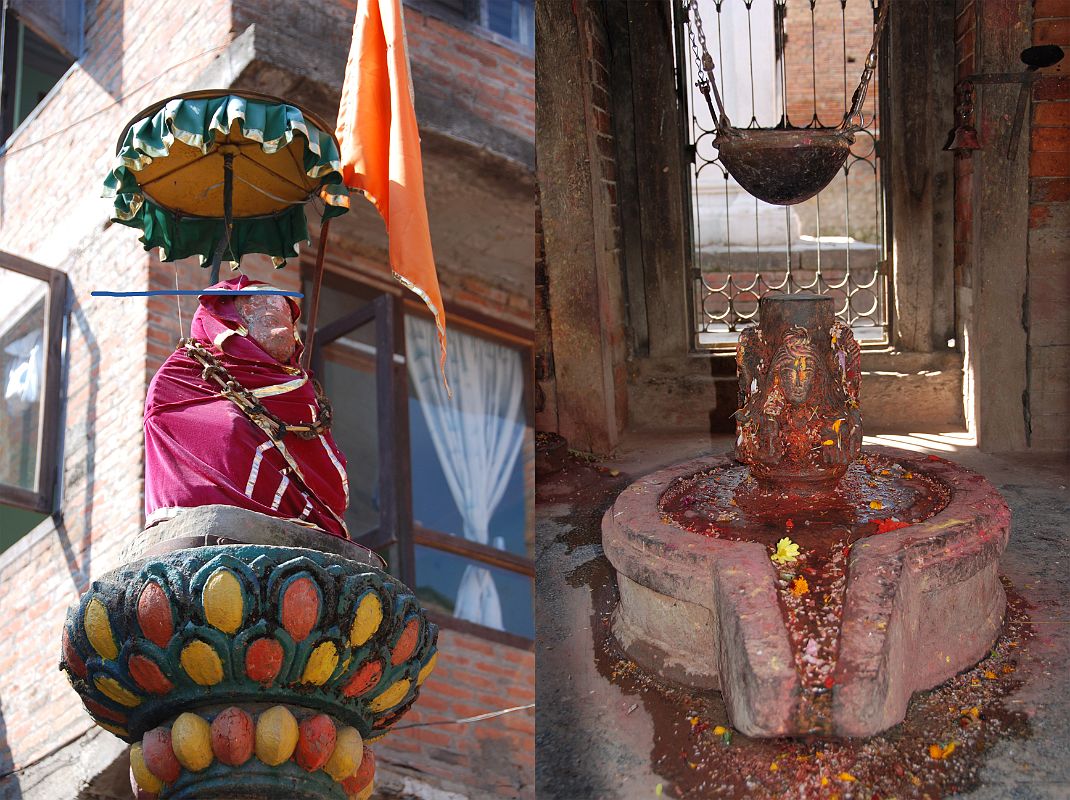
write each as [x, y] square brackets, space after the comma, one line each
[220, 174]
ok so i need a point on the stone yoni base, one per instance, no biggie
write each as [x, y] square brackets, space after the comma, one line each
[922, 603]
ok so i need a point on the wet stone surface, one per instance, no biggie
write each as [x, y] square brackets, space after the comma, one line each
[875, 496]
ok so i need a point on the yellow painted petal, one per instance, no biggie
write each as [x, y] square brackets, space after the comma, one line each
[191, 739]
[364, 793]
[367, 620]
[276, 736]
[202, 663]
[320, 664]
[347, 755]
[223, 606]
[430, 665]
[117, 730]
[113, 689]
[391, 697]
[145, 779]
[98, 630]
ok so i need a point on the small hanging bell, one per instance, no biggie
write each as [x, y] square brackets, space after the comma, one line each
[963, 137]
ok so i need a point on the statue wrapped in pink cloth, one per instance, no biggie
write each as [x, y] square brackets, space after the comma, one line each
[231, 418]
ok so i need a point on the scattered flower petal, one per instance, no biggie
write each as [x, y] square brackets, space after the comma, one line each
[799, 586]
[890, 524]
[876, 505]
[847, 776]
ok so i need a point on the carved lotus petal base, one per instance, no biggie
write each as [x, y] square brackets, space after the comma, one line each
[250, 626]
[266, 752]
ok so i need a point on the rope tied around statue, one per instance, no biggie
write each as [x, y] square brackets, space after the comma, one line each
[248, 403]
[783, 165]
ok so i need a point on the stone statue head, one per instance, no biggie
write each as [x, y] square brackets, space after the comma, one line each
[794, 367]
[270, 322]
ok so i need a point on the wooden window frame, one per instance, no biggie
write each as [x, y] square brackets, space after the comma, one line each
[43, 500]
[396, 528]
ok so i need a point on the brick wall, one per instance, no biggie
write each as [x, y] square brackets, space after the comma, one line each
[51, 212]
[1048, 307]
[492, 81]
[492, 758]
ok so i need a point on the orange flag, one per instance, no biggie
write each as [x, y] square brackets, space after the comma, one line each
[380, 148]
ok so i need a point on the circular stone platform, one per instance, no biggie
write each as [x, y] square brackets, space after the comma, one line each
[895, 599]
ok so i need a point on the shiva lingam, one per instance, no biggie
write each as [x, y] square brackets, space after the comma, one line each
[242, 649]
[815, 583]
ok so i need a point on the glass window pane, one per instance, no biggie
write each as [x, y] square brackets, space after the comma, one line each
[468, 454]
[16, 523]
[475, 592]
[349, 380]
[23, 347]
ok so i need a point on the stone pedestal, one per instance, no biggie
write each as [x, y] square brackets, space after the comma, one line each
[248, 668]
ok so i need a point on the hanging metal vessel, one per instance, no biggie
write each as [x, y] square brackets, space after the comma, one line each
[784, 166]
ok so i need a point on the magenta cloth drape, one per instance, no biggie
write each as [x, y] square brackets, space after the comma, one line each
[201, 449]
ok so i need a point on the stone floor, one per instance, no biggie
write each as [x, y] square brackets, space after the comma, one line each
[604, 731]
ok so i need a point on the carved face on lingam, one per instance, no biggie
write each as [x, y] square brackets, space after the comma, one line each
[794, 367]
[798, 425]
[269, 320]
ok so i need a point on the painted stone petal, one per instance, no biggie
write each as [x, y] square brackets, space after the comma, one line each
[102, 711]
[276, 736]
[159, 757]
[222, 597]
[348, 751]
[364, 679]
[148, 675]
[142, 775]
[71, 656]
[427, 668]
[315, 742]
[98, 629]
[263, 660]
[233, 736]
[406, 643]
[154, 614]
[364, 774]
[201, 663]
[114, 690]
[300, 608]
[367, 620]
[391, 697]
[320, 664]
[191, 739]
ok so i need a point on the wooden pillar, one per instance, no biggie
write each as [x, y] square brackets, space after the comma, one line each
[996, 352]
[576, 158]
[919, 81]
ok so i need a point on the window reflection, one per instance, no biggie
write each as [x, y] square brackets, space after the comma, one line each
[23, 317]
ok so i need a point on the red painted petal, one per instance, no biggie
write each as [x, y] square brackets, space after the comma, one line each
[154, 614]
[71, 657]
[364, 679]
[233, 736]
[364, 774]
[159, 757]
[148, 675]
[102, 711]
[315, 743]
[406, 643]
[300, 608]
[263, 660]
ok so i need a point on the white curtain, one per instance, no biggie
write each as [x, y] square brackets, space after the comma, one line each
[477, 437]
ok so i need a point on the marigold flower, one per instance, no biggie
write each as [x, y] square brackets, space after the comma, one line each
[799, 586]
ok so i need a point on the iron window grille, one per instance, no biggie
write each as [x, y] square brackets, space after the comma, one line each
[774, 63]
